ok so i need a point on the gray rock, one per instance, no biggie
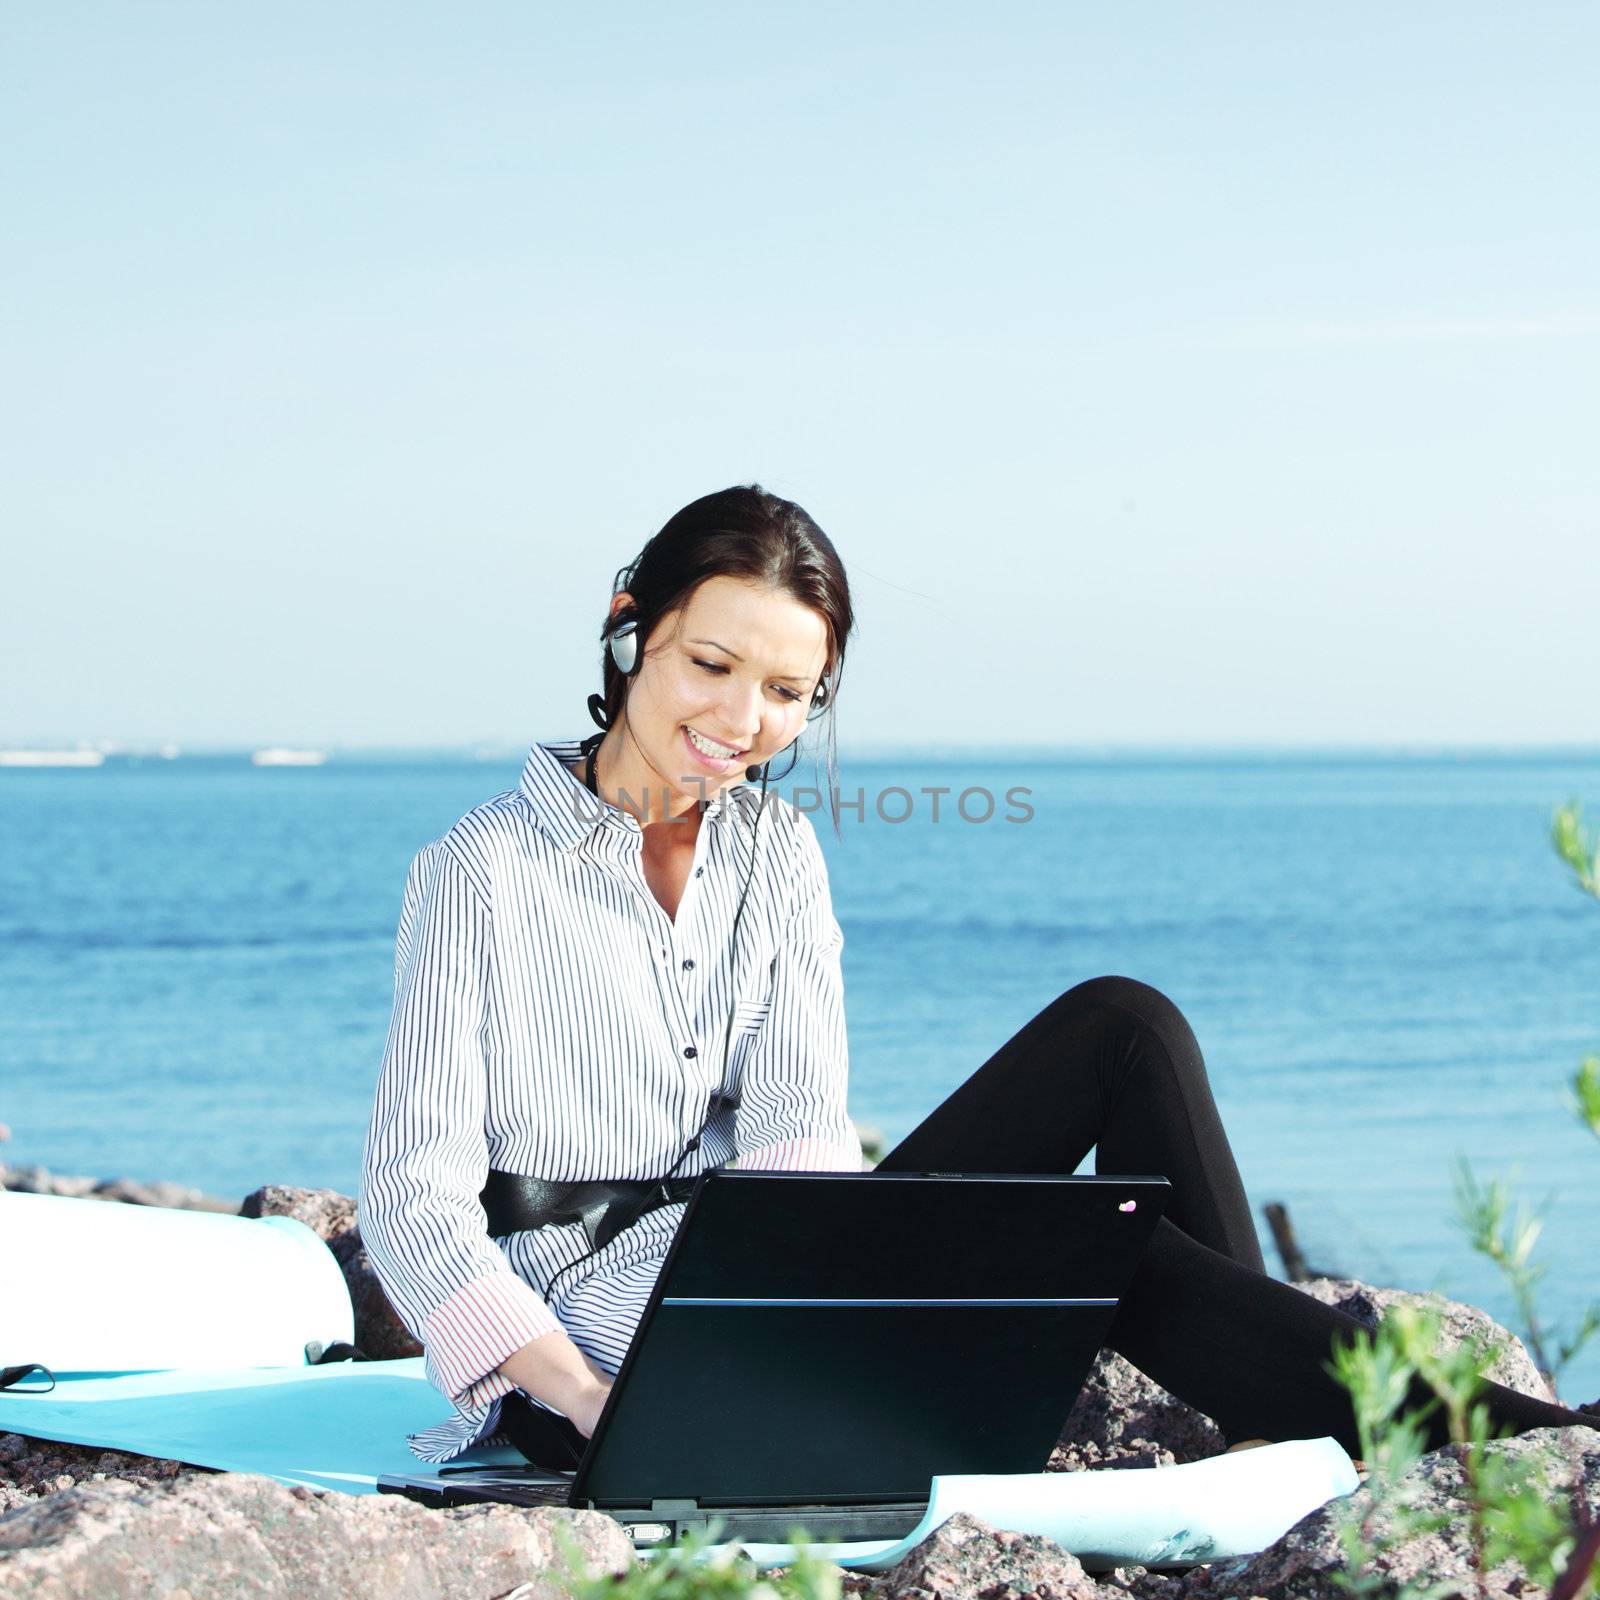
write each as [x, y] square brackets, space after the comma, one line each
[175, 1196]
[229, 1535]
[30, 1469]
[1513, 1366]
[1124, 1419]
[35, 1179]
[965, 1559]
[379, 1331]
[327, 1213]
[1303, 1564]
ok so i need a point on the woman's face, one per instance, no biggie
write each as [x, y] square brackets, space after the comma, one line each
[736, 666]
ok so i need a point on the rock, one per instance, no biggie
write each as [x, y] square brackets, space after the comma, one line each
[327, 1213]
[965, 1559]
[1304, 1563]
[1124, 1419]
[380, 1333]
[226, 1535]
[1513, 1366]
[35, 1179]
[33, 1468]
[175, 1196]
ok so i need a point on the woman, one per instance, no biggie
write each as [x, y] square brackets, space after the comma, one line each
[627, 969]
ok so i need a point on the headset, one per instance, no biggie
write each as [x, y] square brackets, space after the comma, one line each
[626, 654]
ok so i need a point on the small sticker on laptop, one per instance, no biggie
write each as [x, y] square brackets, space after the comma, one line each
[1129, 1205]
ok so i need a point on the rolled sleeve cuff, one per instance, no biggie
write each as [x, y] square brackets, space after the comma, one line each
[481, 1324]
[804, 1155]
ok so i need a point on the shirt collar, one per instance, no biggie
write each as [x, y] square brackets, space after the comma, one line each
[565, 810]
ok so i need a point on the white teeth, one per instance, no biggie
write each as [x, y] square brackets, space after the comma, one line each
[717, 752]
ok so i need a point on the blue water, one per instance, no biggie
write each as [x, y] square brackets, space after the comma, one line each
[1384, 961]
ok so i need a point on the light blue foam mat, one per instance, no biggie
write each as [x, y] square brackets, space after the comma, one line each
[342, 1425]
[97, 1286]
[338, 1426]
[1230, 1505]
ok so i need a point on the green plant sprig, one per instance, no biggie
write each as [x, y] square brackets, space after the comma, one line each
[1584, 1099]
[698, 1566]
[1577, 846]
[1513, 1513]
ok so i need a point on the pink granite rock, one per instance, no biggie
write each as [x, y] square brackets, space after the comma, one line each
[1513, 1366]
[226, 1535]
[965, 1559]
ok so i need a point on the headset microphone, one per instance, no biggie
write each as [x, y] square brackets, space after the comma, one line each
[624, 646]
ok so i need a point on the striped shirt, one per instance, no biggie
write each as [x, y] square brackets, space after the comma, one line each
[551, 1019]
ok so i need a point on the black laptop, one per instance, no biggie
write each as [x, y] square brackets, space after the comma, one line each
[820, 1346]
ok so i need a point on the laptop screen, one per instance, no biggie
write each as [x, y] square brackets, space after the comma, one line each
[843, 1338]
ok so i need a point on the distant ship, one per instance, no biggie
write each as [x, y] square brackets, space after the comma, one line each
[288, 758]
[51, 758]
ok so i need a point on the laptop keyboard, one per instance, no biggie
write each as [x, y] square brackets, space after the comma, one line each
[763, 1525]
[471, 1489]
[822, 1524]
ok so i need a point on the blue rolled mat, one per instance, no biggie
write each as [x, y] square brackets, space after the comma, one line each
[343, 1425]
[339, 1426]
[1231, 1505]
[98, 1286]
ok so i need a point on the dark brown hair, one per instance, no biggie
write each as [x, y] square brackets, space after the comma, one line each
[742, 532]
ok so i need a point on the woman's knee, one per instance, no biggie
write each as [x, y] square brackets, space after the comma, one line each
[1141, 1002]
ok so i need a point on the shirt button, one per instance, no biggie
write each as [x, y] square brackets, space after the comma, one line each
[688, 965]
[690, 1051]
[698, 871]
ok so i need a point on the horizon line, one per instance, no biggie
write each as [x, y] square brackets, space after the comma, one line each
[485, 751]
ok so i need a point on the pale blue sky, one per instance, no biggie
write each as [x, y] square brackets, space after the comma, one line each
[1163, 373]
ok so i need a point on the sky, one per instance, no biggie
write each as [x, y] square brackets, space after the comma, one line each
[1197, 375]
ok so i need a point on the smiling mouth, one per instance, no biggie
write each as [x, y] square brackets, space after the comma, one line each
[710, 748]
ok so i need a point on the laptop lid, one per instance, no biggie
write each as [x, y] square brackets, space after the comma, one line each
[842, 1338]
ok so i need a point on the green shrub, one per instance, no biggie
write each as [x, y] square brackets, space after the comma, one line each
[1517, 1508]
[692, 1569]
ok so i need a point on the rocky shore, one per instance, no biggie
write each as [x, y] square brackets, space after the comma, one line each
[78, 1522]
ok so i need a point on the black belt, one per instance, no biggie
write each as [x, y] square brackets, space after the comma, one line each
[515, 1203]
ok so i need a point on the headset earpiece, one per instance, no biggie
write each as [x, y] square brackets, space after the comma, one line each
[625, 648]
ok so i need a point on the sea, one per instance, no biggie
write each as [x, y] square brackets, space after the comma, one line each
[1388, 968]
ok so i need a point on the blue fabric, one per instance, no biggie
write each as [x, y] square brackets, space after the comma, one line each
[343, 1425]
[339, 1426]
[1231, 1505]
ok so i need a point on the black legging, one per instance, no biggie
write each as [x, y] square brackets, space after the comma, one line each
[1113, 1064]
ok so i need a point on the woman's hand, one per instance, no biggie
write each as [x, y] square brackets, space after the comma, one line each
[553, 1369]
